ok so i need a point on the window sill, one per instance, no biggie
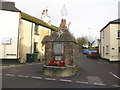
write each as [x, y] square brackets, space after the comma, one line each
[36, 34]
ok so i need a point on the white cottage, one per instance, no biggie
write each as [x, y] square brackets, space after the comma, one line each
[110, 41]
[21, 33]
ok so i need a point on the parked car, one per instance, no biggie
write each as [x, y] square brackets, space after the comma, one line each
[85, 51]
[93, 53]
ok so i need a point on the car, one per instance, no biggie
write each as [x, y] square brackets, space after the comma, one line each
[85, 51]
[93, 53]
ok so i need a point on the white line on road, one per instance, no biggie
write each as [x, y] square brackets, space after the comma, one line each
[12, 65]
[22, 76]
[36, 77]
[116, 86]
[50, 79]
[114, 75]
[65, 80]
[100, 62]
[99, 84]
[82, 82]
[9, 74]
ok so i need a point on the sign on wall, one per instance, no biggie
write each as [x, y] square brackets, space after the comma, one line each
[6, 41]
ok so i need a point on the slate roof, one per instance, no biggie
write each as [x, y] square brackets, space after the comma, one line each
[8, 6]
[65, 37]
[117, 21]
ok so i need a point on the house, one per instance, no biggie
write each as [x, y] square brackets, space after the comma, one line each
[110, 41]
[20, 33]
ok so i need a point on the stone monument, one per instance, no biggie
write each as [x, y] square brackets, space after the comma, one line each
[61, 52]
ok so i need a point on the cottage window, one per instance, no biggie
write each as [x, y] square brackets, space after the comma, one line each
[103, 34]
[58, 48]
[118, 34]
[36, 29]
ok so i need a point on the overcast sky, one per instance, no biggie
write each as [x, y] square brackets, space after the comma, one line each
[87, 17]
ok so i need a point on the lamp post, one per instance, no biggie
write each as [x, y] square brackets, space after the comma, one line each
[89, 34]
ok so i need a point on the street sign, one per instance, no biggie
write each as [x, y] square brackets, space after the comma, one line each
[6, 41]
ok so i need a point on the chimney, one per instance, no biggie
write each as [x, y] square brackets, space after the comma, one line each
[63, 24]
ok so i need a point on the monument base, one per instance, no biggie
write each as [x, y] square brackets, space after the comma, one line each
[60, 71]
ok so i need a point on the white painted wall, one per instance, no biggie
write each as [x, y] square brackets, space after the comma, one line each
[114, 42]
[25, 41]
[110, 40]
[9, 26]
[105, 41]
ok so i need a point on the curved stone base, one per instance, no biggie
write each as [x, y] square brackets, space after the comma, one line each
[60, 71]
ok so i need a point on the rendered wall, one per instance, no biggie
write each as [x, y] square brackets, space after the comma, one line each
[9, 26]
[114, 42]
[110, 40]
[28, 38]
[105, 41]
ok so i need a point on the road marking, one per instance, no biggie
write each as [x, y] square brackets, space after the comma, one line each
[100, 63]
[22, 76]
[9, 74]
[64, 80]
[114, 75]
[50, 79]
[82, 82]
[116, 86]
[12, 65]
[36, 77]
[99, 84]
[4, 66]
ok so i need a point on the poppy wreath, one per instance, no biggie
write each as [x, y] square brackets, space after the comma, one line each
[62, 63]
[53, 62]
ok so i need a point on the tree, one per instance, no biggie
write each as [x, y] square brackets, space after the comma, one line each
[82, 41]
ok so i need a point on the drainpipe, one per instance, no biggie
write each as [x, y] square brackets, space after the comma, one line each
[31, 37]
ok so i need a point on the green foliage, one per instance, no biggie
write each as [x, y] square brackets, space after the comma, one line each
[82, 41]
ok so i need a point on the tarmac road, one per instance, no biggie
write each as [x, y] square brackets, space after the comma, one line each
[94, 73]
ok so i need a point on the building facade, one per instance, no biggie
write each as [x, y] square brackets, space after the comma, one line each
[21, 33]
[110, 41]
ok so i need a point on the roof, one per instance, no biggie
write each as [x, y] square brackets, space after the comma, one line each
[54, 37]
[37, 21]
[8, 6]
[117, 21]
[62, 34]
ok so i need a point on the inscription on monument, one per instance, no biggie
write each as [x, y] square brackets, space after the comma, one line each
[58, 48]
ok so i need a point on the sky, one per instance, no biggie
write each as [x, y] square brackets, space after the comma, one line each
[87, 17]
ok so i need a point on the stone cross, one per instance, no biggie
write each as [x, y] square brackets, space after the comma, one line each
[64, 11]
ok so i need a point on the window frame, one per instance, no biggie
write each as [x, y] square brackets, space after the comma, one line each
[36, 29]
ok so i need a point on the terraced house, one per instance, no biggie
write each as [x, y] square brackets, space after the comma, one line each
[110, 41]
[21, 33]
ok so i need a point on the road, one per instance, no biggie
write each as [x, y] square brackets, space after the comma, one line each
[94, 73]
